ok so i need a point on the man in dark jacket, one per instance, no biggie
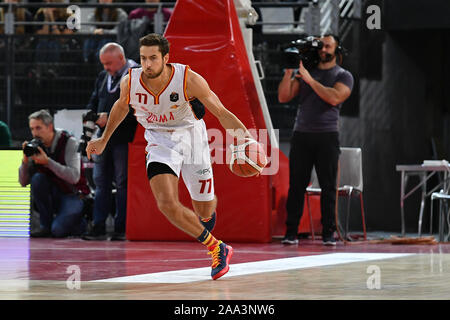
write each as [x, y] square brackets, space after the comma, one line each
[111, 165]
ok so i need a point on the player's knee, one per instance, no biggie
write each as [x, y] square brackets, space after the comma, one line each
[173, 211]
[168, 207]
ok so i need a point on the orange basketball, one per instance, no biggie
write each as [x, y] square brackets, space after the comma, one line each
[247, 159]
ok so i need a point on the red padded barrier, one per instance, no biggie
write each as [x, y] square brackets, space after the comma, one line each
[206, 36]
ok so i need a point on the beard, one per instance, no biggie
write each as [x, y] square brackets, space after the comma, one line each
[327, 57]
[154, 75]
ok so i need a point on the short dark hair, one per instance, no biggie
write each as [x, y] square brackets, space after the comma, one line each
[154, 39]
[335, 37]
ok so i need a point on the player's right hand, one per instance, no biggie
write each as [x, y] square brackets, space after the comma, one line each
[95, 146]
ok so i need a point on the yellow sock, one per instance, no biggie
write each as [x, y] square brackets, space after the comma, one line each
[207, 239]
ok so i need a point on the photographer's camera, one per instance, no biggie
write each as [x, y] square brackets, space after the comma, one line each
[89, 120]
[305, 50]
[31, 148]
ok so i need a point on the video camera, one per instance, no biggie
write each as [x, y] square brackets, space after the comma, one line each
[89, 120]
[305, 49]
[31, 148]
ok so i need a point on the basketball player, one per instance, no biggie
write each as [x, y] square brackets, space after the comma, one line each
[169, 101]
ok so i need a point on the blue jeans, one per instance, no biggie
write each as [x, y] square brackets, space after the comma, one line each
[59, 213]
[111, 165]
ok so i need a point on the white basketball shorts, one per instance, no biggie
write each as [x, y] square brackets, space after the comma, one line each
[186, 152]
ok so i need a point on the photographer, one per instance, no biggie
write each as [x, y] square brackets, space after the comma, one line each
[112, 164]
[52, 165]
[315, 140]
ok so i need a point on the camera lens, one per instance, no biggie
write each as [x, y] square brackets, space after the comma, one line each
[30, 149]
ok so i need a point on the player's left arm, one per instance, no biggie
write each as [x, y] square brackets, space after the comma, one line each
[197, 87]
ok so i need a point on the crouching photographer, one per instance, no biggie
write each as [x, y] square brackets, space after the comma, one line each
[321, 86]
[52, 165]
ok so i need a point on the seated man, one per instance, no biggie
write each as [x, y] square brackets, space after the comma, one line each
[52, 165]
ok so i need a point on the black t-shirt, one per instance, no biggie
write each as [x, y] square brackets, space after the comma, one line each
[314, 114]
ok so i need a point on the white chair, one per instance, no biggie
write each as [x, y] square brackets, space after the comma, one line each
[443, 198]
[349, 181]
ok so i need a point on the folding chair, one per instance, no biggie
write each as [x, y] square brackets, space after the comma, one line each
[443, 198]
[350, 183]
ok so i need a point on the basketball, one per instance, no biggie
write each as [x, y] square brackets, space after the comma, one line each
[247, 159]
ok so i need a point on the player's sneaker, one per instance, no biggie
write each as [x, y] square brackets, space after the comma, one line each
[221, 255]
[210, 222]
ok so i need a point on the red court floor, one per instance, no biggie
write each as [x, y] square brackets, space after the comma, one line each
[48, 259]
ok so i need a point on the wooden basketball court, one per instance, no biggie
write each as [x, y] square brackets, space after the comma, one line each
[74, 269]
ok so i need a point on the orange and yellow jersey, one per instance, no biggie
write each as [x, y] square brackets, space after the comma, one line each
[167, 109]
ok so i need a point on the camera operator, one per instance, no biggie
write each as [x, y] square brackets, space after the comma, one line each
[112, 164]
[52, 165]
[315, 140]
